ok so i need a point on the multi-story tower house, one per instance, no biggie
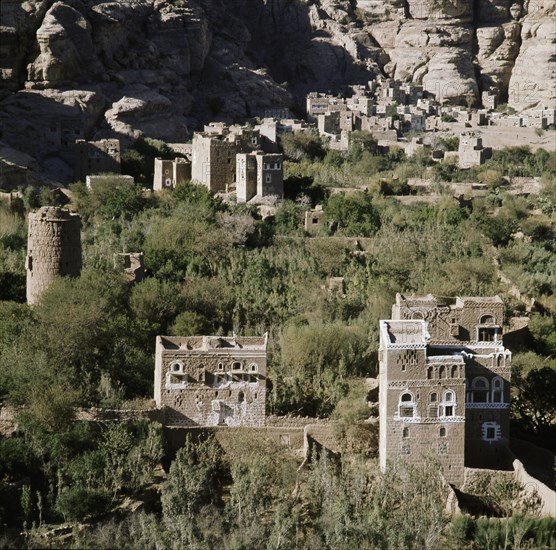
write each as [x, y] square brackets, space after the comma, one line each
[444, 384]
[53, 248]
[211, 380]
[168, 173]
[96, 157]
[259, 175]
[214, 154]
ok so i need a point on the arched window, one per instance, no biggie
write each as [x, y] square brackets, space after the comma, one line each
[429, 373]
[406, 405]
[253, 367]
[487, 320]
[405, 433]
[240, 397]
[497, 395]
[454, 371]
[177, 366]
[220, 366]
[433, 405]
[442, 372]
[236, 365]
[479, 390]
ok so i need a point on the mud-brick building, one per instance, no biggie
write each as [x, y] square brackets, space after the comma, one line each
[444, 384]
[96, 157]
[259, 174]
[53, 248]
[214, 154]
[211, 380]
[168, 173]
[471, 151]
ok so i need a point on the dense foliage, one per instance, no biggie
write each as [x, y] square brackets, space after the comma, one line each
[217, 267]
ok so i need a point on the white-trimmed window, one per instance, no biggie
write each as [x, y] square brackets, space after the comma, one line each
[406, 405]
[253, 367]
[176, 366]
[447, 407]
[491, 431]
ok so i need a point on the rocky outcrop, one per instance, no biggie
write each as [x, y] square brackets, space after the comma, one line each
[163, 67]
[533, 77]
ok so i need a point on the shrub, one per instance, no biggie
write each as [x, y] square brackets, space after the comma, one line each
[78, 504]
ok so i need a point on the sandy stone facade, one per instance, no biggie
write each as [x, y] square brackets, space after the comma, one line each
[211, 380]
[53, 248]
[471, 151]
[444, 384]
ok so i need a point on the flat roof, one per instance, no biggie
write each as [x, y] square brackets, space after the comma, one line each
[401, 333]
[206, 343]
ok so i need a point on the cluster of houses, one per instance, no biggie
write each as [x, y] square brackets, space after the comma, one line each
[246, 160]
[223, 158]
[387, 108]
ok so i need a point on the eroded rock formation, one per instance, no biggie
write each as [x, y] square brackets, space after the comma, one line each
[161, 67]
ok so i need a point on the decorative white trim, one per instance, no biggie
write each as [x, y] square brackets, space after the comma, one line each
[427, 420]
[487, 405]
[438, 382]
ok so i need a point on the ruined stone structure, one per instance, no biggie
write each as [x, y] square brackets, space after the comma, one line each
[444, 384]
[168, 173]
[211, 380]
[471, 151]
[53, 248]
[131, 265]
[314, 219]
[96, 157]
[115, 179]
[259, 175]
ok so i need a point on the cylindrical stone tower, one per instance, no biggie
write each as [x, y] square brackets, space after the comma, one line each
[53, 248]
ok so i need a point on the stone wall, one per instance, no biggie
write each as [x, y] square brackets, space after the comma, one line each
[95, 414]
[291, 437]
[547, 495]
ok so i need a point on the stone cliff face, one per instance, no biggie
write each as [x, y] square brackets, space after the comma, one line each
[91, 68]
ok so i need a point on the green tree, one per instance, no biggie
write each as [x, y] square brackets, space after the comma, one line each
[193, 479]
[353, 214]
